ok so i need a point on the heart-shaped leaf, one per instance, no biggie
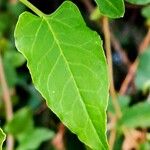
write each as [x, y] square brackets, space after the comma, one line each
[68, 67]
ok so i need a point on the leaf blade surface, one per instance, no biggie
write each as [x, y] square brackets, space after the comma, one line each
[2, 138]
[66, 62]
[138, 112]
[139, 2]
[111, 8]
[142, 79]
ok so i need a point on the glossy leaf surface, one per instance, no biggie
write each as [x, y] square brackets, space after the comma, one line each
[68, 67]
[111, 8]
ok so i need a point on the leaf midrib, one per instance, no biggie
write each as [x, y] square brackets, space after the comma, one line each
[81, 98]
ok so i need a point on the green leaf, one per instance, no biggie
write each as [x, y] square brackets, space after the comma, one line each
[33, 139]
[123, 102]
[14, 58]
[139, 2]
[111, 8]
[146, 12]
[145, 145]
[21, 122]
[16, 9]
[137, 116]
[67, 64]
[4, 22]
[142, 79]
[22, 128]
[2, 138]
[10, 73]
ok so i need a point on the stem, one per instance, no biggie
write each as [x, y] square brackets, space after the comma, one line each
[33, 8]
[7, 102]
[132, 70]
[112, 138]
[115, 103]
[58, 141]
[145, 43]
[129, 77]
[106, 31]
[88, 5]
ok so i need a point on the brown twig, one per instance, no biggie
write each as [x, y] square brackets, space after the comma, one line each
[112, 128]
[88, 5]
[7, 102]
[133, 138]
[106, 31]
[58, 141]
[145, 42]
[132, 70]
[129, 77]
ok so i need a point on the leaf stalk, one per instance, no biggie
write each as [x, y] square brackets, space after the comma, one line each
[33, 8]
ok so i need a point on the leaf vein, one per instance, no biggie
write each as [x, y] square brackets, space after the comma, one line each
[80, 97]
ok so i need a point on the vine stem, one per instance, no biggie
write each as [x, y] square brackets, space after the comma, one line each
[32, 7]
[88, 5]
[106, 31]
[113, 132]
[7, 102]
[107, 37]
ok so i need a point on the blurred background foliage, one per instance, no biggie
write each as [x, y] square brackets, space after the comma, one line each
[35, 127]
